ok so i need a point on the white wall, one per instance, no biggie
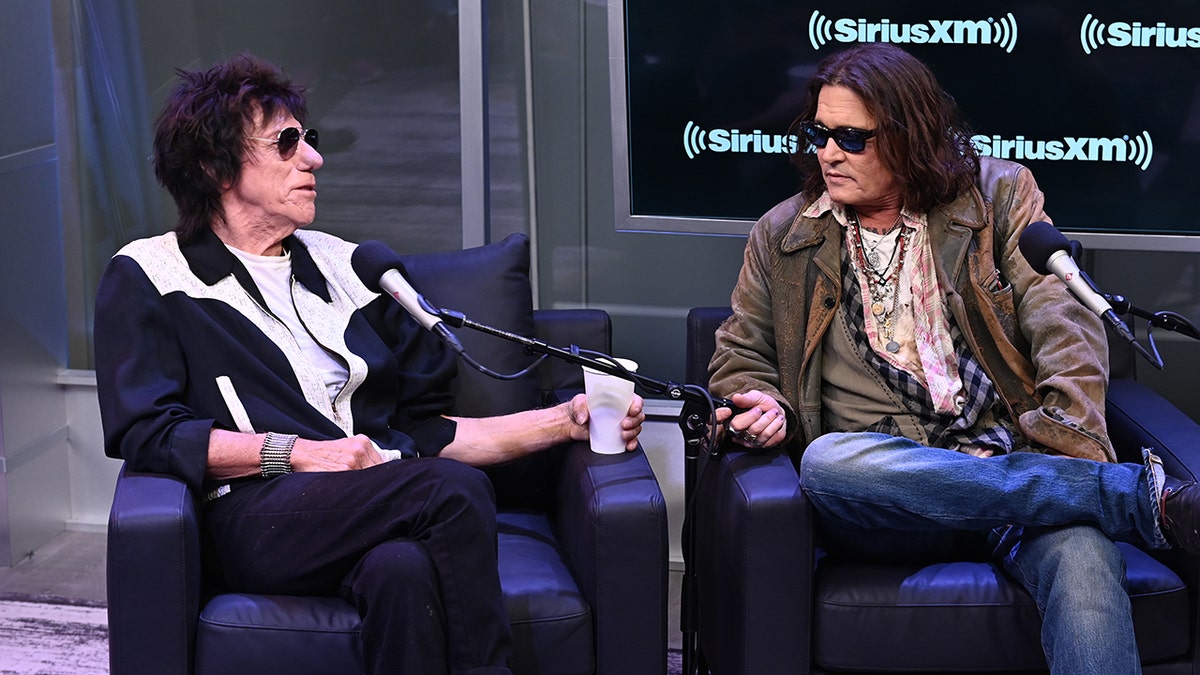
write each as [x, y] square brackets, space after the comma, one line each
[93, 475]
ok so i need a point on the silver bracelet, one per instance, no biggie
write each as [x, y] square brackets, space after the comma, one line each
[275, 456]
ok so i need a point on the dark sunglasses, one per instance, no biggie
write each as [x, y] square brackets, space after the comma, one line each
[847, 138]
[289, 138]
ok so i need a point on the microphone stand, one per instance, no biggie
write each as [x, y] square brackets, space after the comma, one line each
[696, 421]
[1166, 320]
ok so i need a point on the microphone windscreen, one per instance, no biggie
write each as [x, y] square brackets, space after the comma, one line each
[1038, 242]
[371, 260]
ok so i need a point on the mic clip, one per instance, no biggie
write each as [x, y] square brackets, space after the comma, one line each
[451, 317]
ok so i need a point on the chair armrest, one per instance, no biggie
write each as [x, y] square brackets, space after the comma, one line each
[754, 546]
[153, 573]
[612, 522]
[1139, 418]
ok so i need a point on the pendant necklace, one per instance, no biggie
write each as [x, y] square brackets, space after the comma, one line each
[872, 254]
[882, 286]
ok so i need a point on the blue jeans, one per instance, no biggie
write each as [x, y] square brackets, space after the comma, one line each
[1053, 519]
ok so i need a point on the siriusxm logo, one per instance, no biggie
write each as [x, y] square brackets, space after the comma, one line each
[1138, 150]
[990, 31]
[697, 140]
[1093, 34]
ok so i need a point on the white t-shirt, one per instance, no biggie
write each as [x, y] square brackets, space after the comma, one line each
[273, 276]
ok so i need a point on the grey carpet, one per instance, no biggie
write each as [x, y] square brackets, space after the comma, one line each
[40, 637]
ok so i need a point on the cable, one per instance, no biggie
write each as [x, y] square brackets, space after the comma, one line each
[500, 376]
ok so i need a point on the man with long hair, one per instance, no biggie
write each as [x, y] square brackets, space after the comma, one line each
[936, 388]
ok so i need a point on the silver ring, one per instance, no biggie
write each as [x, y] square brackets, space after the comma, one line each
[750, 437]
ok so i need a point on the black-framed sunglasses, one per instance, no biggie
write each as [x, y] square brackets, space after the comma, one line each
[847, 138]
[289, 138]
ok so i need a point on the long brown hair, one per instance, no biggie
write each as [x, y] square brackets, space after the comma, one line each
[920, 135]
[200, 136]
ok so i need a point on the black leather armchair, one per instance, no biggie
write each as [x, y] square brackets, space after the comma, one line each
[771, 601]
[582, 536]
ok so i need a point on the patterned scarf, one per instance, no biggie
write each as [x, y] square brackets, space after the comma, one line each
[935, 350]
[945, 430]
[935, 345]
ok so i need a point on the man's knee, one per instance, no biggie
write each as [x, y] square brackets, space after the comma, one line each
[1075, 564]
[398, 567]
[833, 458]
[1086, 552]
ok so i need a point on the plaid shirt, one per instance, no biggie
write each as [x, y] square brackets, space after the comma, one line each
[973, 426]
[933, 345]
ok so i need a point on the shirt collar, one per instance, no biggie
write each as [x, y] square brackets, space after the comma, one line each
[211, 262]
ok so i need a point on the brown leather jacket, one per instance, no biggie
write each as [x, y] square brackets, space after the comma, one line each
[1045, 352]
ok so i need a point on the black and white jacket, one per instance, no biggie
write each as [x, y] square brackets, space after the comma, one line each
[185, 343]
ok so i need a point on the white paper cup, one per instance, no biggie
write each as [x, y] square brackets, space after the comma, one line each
[608, 399]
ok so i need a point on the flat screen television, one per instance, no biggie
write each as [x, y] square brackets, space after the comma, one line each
[1100, 99]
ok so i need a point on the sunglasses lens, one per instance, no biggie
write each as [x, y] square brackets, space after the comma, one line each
[312, 138]
[288, 139]
[847, 138]
[815, 134]
[850, 140]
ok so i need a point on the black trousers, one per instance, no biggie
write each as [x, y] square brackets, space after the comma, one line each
[411, 543]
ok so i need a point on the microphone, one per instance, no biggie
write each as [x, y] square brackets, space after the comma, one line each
[1047, 251]
[381, 270]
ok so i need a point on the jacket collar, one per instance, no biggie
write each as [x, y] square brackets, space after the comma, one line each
[952, 227]
[211, 262]
[805, 231]
[949, 227]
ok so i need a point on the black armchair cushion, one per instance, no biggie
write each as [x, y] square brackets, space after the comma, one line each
[547, 613]
[966, 615]
[239, 628]
[565, 328]
[490, 284]
[702, 325]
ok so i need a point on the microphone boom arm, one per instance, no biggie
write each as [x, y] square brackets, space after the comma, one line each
[1165, 320]
[689, 394]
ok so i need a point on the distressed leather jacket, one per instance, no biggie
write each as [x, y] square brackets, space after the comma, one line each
[1045, 352]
